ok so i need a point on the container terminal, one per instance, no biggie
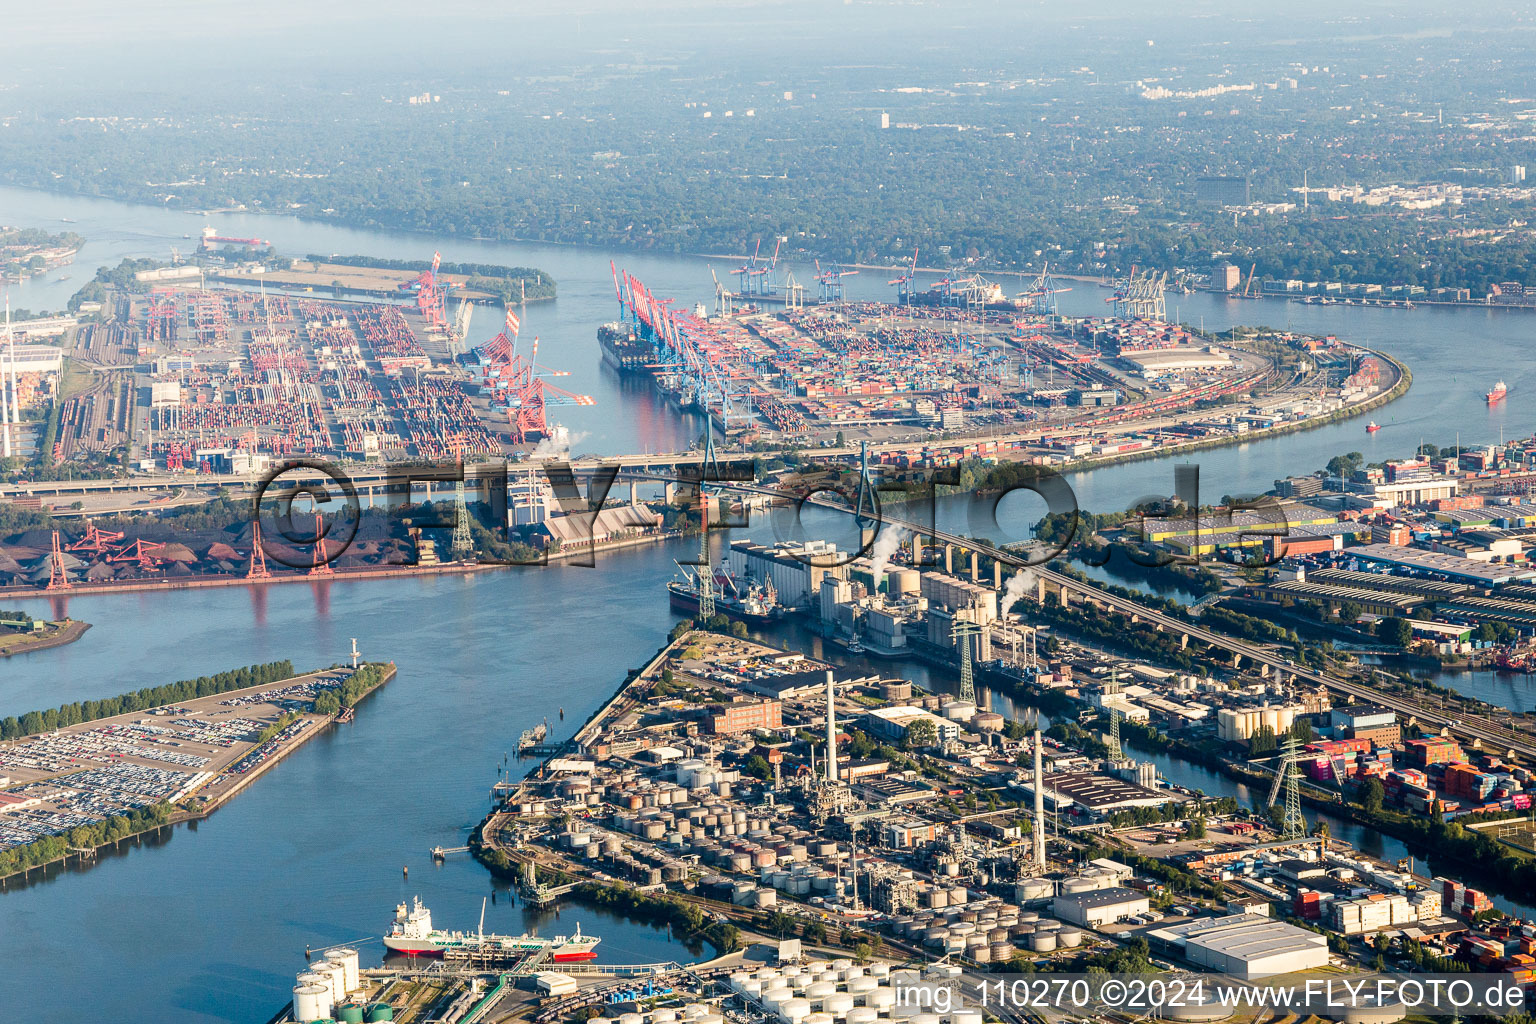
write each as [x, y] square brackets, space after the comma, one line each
[954, 362]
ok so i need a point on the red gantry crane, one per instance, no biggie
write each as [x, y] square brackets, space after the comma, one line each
[518, 384]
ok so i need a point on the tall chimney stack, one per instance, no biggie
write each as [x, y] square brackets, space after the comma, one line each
[831, 732]
[1039, 808]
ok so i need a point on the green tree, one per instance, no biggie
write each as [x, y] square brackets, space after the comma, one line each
[1395, 631]
[922, 733]
[758, 767]
[1371, 795]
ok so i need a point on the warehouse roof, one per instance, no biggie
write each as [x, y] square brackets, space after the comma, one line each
[1241, 936]
[1096, 899]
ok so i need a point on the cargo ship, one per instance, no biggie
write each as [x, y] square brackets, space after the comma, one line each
[624, 349]
[1497, 394]
[746, 600]
[412, 934]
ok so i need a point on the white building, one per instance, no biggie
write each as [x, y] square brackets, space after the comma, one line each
[1098, 907]
[1246, 946]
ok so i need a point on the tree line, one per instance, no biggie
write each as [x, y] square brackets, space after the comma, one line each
[35, 722]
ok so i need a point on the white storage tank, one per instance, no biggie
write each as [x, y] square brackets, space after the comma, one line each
[796, 1009]
[818, 1018]
[959, 710]
[1068, 938]
[817, 991]
[348, 960]
[311, 1002]
[336, 975]
[838, 1005]
[663, 1016]
[862, 1015]
[631, 1018]
[859, 986]
[880, 1000]
[1043, 942]
[965, 1017]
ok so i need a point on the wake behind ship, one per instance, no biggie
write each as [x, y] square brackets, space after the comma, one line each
[412, 934]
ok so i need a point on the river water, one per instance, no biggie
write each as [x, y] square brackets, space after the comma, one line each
[211, 924]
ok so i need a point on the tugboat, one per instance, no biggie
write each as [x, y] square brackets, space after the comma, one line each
[1372, 427]
[1497, 394]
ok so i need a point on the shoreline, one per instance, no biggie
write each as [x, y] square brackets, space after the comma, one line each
[68, 635]
[340, 575]
[183, 815]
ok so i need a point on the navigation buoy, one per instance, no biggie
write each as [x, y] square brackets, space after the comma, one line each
[406, 871]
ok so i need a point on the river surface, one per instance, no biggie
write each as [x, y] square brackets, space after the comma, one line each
[210, 925]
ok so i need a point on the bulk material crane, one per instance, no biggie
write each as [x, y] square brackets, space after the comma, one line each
[430, 295]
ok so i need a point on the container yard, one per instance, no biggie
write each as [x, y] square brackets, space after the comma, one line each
[228, 379]
[896, 372]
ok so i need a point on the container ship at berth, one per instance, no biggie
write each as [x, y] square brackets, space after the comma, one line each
[624, 349]
[737, 598]
[412, 934]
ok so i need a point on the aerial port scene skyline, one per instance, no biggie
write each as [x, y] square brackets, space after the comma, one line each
[768, 513]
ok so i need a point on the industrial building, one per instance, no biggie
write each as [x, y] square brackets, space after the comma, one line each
[1099, 907]
[893, 723]
[1237, 725]
[1246, 946]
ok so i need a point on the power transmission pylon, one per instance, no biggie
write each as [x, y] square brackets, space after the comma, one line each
[1115, 751]
[463, 542]
[705, 576]
[962, 632]
[1293, 825]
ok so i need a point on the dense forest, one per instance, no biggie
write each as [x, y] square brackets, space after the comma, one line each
[1037, 163]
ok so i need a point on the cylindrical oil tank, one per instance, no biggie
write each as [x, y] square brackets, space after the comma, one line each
[1002, 952]
[981, 953]
[879, 971]
[969, 916]
[965, 1017]
[987, 721]
[1028, 917]
[631, 1018]
[311, 1002]
[857, 987]
[862, 1015]
[937, 898]
[1068, 938]
[816, 991]
[349, 1013]
[1020, 931]
[349, 964]
[1043, 942]
[954, 945]
[935, 936]
[1032, 890]
[959, 710]
[997, 934]
[962, 928]
[838, 1004]
[795, 1009]
[881, 999]
[1047, 924]
[925, 1018]
[818, 1017]
[379, 1012]
[663, 1016]
[337, 975]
